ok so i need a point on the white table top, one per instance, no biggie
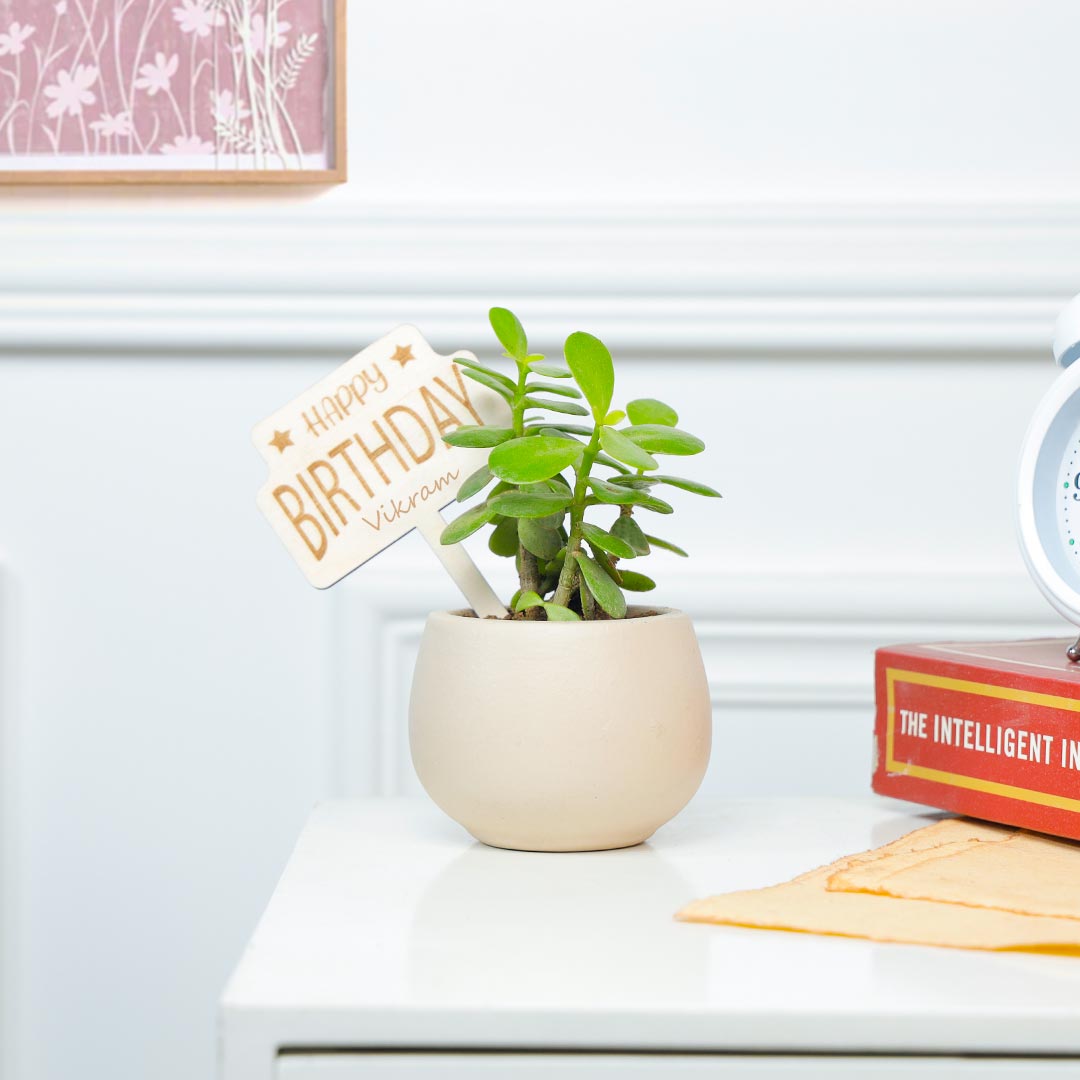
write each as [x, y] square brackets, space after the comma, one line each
[392, 928]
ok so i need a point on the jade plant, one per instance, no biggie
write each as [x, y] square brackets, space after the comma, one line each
[544, 476]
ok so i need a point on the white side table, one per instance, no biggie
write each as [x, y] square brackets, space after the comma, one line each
[396, 947]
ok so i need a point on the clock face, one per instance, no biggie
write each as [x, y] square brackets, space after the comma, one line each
[1067, 493]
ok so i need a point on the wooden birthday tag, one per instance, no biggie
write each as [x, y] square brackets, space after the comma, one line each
[358, 460]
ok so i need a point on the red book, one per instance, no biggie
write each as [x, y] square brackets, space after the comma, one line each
[988, 729]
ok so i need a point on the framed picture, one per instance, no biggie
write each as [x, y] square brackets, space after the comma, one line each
[172, 91]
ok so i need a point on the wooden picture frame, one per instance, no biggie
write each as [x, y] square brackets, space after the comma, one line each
[286, 161]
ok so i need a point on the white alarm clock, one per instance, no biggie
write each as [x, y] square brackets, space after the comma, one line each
[1048, 495]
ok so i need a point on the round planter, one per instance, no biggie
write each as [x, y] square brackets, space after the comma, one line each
[551, 736]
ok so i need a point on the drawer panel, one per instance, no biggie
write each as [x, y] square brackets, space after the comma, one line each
[395, 1065]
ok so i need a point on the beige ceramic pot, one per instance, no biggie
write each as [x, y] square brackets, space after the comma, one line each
[553, 736]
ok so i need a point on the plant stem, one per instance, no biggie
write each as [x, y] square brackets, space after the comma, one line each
[528, 577]
[577, 520]
[528, 571]
[517, 406]
[588, 602]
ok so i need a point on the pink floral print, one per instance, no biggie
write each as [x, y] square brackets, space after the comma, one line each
[197, 17]
[156, 76]
[14, 41]
[112, 126]
[71, 91]
[257, 35]
[188, 144]
[235, 80]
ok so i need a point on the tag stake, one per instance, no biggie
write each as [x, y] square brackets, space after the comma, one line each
[461, 568]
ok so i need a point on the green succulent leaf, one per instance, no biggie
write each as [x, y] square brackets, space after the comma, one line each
[478, 435]
[554, 612]
[603, 589]
[645, 482]
[485, 379]
[510, 332]
[558, 613]
[531, 458]
[632, 581]
[504, 539]
[665, 545]
[608, 542]
[650, 411]
[641, 483]
[651, 502]
[571, 408]
[612, 493]
[475, 482]
[467, 523]
[658, 439]
[528, 599]
[552, 371]
[687, 485]
[620, 495]
[538, 537]
[475, 365]
[553, 433]
[626, 528]
[529, 504]
[588, 359]
[607, 565]
[552, 388]
[622, 449]
[616, 416]
[546, 427]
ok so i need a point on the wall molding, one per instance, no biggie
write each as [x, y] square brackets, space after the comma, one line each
[246, 326]
[324, 276]
[790, 644]
[12, 846]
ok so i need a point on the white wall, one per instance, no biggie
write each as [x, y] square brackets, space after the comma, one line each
[834, 234]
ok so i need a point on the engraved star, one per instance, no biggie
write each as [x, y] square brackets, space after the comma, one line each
[281, 439]
[403, 354]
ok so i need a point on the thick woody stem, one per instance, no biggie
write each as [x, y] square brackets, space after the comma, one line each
[577, 520]
[588, 603]
[529, 578]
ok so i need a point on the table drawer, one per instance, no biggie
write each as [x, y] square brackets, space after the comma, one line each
[395, 1065]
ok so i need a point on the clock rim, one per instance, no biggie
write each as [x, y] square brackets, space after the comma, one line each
[1057, 591]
